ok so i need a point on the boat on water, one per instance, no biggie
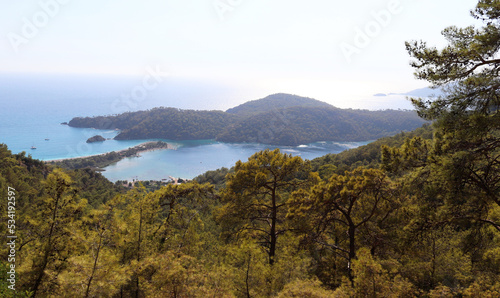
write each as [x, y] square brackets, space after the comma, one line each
[33, 147]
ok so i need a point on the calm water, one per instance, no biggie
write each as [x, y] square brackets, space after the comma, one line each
[32, 108]
[196, 157]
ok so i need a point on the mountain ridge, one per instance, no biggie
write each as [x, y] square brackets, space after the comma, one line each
[273, 120]
[276, 101]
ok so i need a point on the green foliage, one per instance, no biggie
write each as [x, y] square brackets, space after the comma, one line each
[455, 176]
[303, 125]
[256, 196]
[216, 177]
[103, 160]
[161, 123]
[372, 280]
[276, 102]
[279, 119]
[46, 236]
[338, 212]
[415, 215]
[369, 155]
[305, 288]
[179, 275]
[95, 270]
[463, 159]
[94, 187]
[5, 291]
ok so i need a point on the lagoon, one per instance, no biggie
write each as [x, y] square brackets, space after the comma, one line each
[33, 106]
[192, 158]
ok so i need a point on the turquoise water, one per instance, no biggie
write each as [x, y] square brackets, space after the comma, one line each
[196, 157]
[32, 108]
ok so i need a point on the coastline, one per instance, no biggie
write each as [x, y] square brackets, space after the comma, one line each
[105, 159]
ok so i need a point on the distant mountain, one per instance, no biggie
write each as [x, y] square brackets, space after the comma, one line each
[303, 125]
[422, 92]
[274, 102]
[279, 119]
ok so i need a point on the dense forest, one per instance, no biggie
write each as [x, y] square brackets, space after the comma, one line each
[279, 119]
[413, 215]
[304, 125]
[276, 102]
[161, 123]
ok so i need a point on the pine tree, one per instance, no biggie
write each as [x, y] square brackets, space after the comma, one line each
[465, 157]
[335, 212]
[256, 196]
[50, 229]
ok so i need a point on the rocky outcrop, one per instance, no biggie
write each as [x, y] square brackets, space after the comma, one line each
[96, 139]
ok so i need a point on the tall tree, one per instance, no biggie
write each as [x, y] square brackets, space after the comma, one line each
[456, 175]
[50, 225]
[465, 158]
[336, 211]
[256, 196]
[95, 269]
[158, 225]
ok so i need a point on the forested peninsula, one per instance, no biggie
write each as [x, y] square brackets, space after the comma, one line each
[100, 161]
[279, 119]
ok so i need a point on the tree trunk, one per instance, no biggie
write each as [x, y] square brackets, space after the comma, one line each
[272, 242]
[352, 250]
[248, 275]
[138, 252]
[94, 268]
[48, 248]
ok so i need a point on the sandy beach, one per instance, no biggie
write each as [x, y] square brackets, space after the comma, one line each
[138, 147]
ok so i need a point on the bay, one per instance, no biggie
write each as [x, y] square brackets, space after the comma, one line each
[192, 158]
[32, 108]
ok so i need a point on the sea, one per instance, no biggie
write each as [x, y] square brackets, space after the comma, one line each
[34, 106]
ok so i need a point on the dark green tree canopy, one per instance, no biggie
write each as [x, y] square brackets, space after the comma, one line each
[465, 154]
[468, 67]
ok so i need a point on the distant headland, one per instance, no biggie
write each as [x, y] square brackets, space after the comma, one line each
[278, 119]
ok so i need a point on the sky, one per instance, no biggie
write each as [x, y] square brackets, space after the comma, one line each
[335, 51]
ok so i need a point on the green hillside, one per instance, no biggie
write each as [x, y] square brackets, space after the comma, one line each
[276, 102]
[303, 125]
[161, 123]
[279, 119]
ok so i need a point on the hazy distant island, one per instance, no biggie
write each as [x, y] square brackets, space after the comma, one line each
[279, 119]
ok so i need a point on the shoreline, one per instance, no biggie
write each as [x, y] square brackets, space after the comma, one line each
[116, 156]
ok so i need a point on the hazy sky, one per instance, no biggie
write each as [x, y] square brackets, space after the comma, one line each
[321, 48]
